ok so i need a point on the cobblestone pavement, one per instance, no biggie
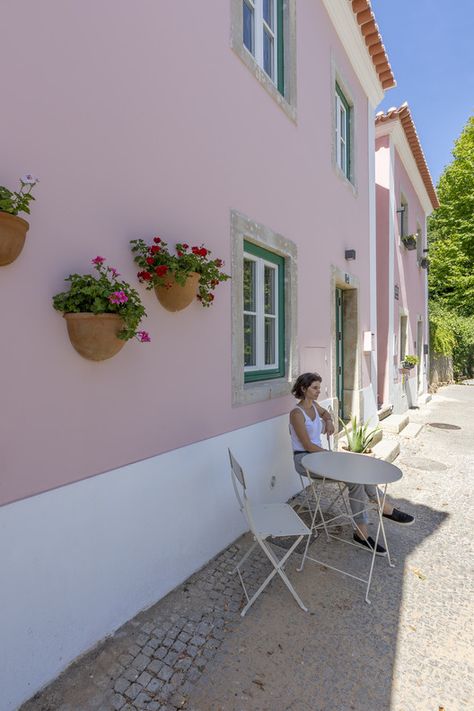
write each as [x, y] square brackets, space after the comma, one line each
[411, 650]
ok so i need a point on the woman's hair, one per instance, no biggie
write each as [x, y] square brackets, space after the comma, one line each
[303, 382]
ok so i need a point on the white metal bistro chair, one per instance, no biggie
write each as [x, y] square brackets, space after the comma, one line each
[265, 521]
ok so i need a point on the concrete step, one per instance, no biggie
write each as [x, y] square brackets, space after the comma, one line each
[387, 449]
[384, 411]
[412, 430]
[395, 423]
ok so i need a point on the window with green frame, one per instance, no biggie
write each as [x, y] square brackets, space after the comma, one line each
[343, 132]
[262, 35]
[264, 313]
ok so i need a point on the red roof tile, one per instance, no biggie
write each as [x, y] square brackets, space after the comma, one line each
[403, 115]
[370, 32]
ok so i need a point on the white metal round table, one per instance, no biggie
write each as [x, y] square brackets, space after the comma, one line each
[350, 468]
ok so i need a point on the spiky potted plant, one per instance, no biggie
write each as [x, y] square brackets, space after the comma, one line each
[409, 362]
[359, 437]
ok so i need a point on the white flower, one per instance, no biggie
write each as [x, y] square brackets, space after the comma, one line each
[29, 179]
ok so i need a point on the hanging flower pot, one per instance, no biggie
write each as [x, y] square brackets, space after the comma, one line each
[94, 336]
[13, 231]
[174, 296]
[409, 242]
[178, 278]
[102, 313]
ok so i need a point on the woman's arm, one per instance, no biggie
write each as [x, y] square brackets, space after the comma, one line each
[327, 417]
[297, 420]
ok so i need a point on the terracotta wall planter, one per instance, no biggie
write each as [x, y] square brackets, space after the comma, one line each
[177, 297]
[13, 231]
[94, 336]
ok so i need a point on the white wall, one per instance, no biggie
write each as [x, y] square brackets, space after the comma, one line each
[79, 561]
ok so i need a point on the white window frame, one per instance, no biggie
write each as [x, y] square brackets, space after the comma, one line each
[260, 314]
[342, 137]
[261, 27]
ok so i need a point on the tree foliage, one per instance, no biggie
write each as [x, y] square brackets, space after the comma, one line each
[451, 248]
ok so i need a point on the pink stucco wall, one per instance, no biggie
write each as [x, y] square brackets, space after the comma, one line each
[139, 120]
[406, 272]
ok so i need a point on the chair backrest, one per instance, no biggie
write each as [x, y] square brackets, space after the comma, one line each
[237, 475]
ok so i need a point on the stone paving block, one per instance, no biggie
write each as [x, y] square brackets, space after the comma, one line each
[183, 664]
[142, 700]
[147, 627]
[133, 691]
[171, 658]
[148, 651]
[155, 666]
[192, 651]
[168, 641]
[197, 640]
[131, 674]
[134, 649]
[179, 646]
[142, 639]
[184, 637]
[121, 684]
[155, 686]
[125, 659]
[117, 702]
[160, 653]
[165, 673]
[141, 662]
[153, 643]
[144, 678]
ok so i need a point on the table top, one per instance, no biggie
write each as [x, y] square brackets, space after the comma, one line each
[351, 468]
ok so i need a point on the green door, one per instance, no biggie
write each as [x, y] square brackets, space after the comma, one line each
[339, 353]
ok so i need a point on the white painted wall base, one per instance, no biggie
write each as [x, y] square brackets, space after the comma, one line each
[79, 561]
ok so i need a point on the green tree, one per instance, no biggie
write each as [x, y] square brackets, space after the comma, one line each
[451, 230]
[451, 249]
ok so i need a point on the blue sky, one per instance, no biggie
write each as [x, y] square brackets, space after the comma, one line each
[430, 45]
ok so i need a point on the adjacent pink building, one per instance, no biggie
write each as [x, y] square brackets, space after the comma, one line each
[405, 198]
[144, 119]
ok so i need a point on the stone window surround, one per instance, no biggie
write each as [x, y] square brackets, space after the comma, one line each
[243, 228]
[337, 77]
[288, 101]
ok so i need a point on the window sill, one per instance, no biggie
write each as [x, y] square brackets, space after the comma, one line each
[261, 390]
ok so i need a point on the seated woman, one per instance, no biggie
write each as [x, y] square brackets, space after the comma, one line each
[306, 421]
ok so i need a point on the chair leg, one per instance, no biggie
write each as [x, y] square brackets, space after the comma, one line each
[277, 568]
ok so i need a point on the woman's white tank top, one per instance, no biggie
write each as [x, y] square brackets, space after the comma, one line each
[313, 428]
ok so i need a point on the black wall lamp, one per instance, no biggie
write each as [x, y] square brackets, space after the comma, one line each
[350, 255]
[402, 208]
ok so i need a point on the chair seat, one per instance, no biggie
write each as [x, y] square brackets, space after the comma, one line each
[277, 520]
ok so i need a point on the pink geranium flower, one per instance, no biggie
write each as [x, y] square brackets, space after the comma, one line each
[118, 297]
[98, 260]
[143, 337]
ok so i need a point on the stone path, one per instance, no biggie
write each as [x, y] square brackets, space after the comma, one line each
[411, 650]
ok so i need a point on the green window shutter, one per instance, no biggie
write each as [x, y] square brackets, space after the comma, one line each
[280, 49]
[279, 261]
[348, 109]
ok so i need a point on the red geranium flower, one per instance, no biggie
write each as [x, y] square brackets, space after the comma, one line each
[195, 250]
[155, 250]
[185, 246]
[156, 240]
[161, 270]
[180, 254]
[150, 260]
[146, 276]
[218, 262]
[203, 252]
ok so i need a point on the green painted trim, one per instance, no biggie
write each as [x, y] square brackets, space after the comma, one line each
[280, 49]
[340, 352]
[257, 251]
[348, 109]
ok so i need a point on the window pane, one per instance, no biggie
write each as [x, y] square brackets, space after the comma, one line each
[343, 122]
[250, 350]
[270, 324]
[268, 53]
[249, 285]
[268, 12]
[248, 22]
[269, 290]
